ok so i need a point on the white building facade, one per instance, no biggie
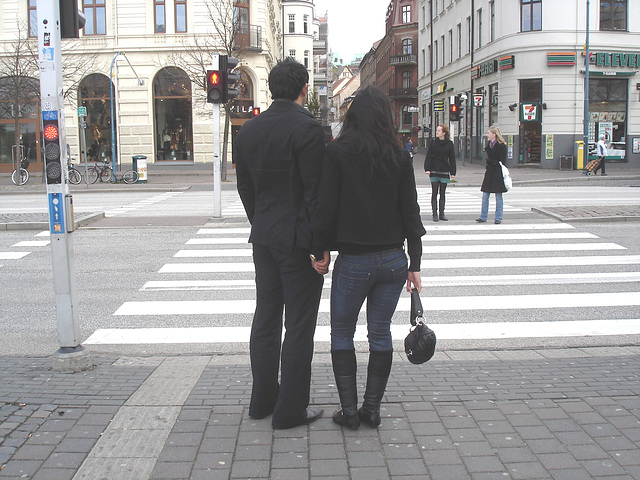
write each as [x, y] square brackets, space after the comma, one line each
[521, 65]
[157, 52]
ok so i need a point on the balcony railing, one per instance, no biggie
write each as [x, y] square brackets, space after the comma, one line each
[249, 38]
[319, 44]
[406, 59]
[403, 92]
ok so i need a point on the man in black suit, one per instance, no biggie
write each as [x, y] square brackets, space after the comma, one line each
[278, 157]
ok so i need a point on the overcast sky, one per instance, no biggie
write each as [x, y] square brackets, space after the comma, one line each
[354, 25]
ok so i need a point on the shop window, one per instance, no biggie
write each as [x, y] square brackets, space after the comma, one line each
[493, 104]
[608, 110]
[95, 17]
[173, 115]
[530, 15]
[19, 124]
[95, 95]
[613, 14]
[160, 19]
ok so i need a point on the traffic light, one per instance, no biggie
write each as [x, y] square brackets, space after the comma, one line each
[71, 19]
[51, 133]
[215, 86]
[455, 108]
[256, 111]
[227, 66]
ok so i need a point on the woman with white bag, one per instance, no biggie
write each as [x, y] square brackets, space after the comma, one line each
[493, 182]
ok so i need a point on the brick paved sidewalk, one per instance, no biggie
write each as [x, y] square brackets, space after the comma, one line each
[544, 414]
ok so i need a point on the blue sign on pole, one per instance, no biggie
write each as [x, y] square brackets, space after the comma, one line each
[56, 214]
[50, 115]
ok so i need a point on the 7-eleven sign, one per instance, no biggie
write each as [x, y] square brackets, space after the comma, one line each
[530, 112]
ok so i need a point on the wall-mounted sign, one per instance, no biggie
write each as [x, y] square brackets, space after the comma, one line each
[530, 112]
[478, 100]
[441, 88]
[438, 105]
[484, 69]
[507, 62]
[555, 59]
[615, 59]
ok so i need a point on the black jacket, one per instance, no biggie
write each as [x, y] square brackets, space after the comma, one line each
[441, 157]
[493, 182]
[278, 157]
[363, 210]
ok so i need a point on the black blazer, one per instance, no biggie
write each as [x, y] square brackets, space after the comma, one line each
[441, 157]
[278, 157]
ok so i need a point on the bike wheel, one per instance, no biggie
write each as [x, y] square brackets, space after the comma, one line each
[92, 175]
[24, 177]
[106, 175]
[75, 177]
[130, 176]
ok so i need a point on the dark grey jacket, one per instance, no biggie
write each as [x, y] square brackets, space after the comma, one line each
[278, 157]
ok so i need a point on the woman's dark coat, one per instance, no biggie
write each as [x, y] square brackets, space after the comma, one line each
[493, 182]
[441, 157]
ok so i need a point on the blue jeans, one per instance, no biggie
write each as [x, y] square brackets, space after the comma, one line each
[379, 277]
[485, 206]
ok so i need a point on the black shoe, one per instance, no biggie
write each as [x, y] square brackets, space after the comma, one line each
[311, 415]
[479, 220]
[435, 218]
[443, 218]
[498, 222]
[349, 421]
[603, 174]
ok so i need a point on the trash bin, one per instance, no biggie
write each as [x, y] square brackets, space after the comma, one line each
[140, 166]
[566, 162]
[578, 155]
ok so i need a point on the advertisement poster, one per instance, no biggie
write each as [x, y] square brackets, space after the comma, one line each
[549, 147]
[605, 128]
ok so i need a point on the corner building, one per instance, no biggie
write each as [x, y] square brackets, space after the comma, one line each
[521, 65]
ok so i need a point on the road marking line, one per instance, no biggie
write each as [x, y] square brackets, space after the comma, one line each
[446, 331]
[444, 281]
[13, 255]
[455, 303]
[32, 243]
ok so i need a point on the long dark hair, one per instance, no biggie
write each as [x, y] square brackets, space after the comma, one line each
[368, 129]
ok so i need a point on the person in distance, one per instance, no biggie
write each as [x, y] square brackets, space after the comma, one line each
[493, 182]
[440, 165]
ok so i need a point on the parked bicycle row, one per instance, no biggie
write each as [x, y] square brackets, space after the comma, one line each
[101, 171]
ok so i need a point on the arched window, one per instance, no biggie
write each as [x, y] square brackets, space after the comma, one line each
[94, 94]
[19, 122]
[173, 130]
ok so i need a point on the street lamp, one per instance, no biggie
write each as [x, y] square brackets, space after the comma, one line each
[113, 132]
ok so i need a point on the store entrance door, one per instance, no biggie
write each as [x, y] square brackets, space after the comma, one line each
[531, 142]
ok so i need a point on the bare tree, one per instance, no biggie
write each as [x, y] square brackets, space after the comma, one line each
[19, 77]
[195, 56]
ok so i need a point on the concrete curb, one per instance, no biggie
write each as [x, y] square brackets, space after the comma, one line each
[607, 218]
[78, 222]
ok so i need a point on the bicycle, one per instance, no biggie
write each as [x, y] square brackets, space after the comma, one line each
[102, 172]
[21, 177]
[130, 176]
[75, 177]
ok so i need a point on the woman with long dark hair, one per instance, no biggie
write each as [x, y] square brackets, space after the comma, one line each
[440, 165]
[493, 182]
[368, 207]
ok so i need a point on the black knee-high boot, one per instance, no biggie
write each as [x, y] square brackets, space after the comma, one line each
[443, 188]
[377, 375]
[344, 370]
[434, 208]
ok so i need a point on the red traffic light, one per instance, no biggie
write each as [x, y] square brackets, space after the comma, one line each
[50, 132]
[213, 77]
[256, 111]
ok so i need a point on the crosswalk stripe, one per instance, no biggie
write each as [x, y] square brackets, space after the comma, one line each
[444, 281]
[13, 255]
[502, 262]
[474, 302]
[444, 331]
[547, 247]
[32, 243]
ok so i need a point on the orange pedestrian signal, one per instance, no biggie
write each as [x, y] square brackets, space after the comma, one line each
[215, 86]
[256, 111]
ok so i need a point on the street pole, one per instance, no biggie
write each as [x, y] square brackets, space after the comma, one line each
[113, 128]
[217, 171]
[585, 147]
[71, 356]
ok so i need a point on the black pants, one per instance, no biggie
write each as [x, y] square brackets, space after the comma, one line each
[435, 188]
[600, 166]
[283, 281]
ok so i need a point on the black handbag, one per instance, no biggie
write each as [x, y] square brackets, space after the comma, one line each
[420, 344]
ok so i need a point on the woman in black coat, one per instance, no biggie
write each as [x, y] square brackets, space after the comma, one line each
[493, 182]
[440, 165]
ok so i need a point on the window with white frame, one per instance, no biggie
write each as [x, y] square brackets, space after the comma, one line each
[292, 23]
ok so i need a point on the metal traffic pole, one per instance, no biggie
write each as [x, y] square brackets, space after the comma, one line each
[71, 356]
[217, 163]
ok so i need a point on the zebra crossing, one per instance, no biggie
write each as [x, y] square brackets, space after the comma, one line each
[24, 244]
[480, 281]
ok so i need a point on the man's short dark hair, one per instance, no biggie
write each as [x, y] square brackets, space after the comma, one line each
[287, 79]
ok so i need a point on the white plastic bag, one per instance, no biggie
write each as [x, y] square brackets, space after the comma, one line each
[508, 183]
